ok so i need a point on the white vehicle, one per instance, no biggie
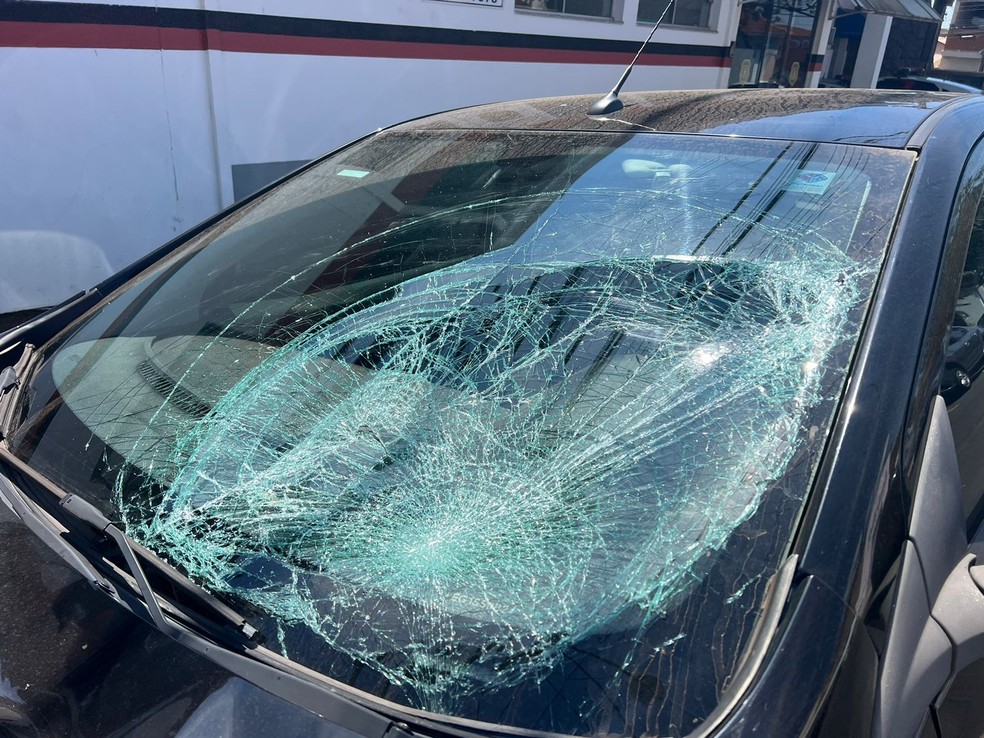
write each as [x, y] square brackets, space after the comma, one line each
[928, 84]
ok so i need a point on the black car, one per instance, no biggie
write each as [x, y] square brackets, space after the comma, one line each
[518, 421]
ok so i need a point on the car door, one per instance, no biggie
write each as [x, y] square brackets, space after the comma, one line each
[958, 712]
[934, 655]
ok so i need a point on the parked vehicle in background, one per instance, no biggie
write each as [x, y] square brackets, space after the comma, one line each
[518, 421]
[905, 80]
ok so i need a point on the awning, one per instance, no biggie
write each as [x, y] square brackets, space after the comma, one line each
[913, 9]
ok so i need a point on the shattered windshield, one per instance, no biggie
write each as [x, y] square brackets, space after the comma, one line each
[507, 426]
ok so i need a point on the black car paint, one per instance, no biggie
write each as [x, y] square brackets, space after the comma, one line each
[823, 667]
[884, 119]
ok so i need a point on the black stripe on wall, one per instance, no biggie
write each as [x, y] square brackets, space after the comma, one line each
[93, 13]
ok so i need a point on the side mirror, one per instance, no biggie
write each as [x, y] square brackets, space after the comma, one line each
[964, 361]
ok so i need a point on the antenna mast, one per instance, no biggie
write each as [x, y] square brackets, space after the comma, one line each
[610, 102]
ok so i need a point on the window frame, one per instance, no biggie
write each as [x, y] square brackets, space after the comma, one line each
[968, 202]
[616, 12]
[713, 8]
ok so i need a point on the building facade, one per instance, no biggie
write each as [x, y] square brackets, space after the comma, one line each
[962, 47]
[125, 124]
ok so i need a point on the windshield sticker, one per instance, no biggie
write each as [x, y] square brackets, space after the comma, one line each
[356, 173]
[811, 182]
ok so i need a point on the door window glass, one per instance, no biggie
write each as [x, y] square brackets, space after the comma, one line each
[961, 385]
[773, 44]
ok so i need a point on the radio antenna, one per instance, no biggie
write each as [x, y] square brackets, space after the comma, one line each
[610, 102]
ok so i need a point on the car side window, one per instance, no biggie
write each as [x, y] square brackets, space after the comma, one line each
[962, 384]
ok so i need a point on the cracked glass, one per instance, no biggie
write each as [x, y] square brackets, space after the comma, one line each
[510, 426]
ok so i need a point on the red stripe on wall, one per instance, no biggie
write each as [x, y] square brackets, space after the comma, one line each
[91, 36]
[95, 36]
[313, 46]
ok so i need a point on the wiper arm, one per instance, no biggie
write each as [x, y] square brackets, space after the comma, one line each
[87, 512]
[12, 381]
[286, 682]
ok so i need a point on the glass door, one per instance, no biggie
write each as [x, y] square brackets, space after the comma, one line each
[773, 44]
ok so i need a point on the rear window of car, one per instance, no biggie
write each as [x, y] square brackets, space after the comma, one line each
[509, 426]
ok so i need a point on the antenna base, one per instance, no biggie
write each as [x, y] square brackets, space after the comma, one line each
[605, 105]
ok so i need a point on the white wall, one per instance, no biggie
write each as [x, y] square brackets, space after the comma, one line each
[114, 146]
[444, 14]
[128, 148]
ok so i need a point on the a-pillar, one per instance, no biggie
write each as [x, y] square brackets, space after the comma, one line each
[874, 38]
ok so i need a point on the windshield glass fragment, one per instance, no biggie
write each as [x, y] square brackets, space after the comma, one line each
[506, 426]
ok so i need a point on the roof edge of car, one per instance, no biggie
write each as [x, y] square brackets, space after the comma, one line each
[921, 134]
[875, 118]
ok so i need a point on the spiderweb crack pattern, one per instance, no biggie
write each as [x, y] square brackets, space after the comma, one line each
[456, 485]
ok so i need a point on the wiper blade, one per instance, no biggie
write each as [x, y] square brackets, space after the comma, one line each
[13, 380]
[189, 603]
[34, 518]
[87, 512]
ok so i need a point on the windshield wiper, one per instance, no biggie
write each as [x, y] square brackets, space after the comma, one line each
[33, 519]
[192, 604]
[87, 512]
[12, 382]
[241, 658]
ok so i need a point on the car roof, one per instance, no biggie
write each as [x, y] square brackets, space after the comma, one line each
[886, 118]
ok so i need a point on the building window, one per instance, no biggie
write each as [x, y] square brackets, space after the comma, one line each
[594, 8]
[683, 13]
